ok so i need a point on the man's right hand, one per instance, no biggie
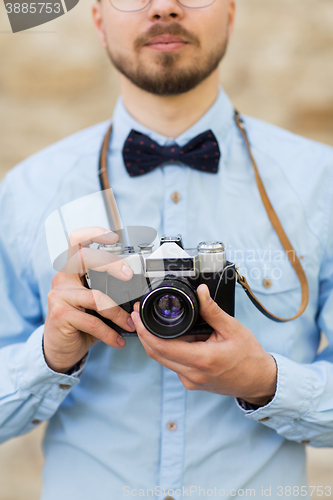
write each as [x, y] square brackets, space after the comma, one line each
[70, 331]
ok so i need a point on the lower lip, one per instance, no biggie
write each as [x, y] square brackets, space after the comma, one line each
[167, 47]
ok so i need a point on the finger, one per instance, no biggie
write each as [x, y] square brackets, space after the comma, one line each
[212, 313]
[95, 327]
[66, 280]
[201, 337]
[86, 236]
[185, 353]
[190, 384]
[95, 301]
[179, 368]
[99, 260]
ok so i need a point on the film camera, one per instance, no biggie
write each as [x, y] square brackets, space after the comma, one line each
[165, 282]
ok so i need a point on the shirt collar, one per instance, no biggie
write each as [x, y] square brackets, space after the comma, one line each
[217, 118]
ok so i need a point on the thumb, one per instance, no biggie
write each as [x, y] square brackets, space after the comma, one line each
[211, 312]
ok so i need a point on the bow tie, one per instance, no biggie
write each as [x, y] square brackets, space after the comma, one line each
[141, 154]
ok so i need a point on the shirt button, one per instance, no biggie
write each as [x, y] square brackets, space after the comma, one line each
[176, 197]
[264, 419]
[65, 387]
[35, 422]
[267, 283]
[305, 441]
[171, 426]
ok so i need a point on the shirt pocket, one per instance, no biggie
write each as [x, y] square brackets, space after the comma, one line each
[275, 284]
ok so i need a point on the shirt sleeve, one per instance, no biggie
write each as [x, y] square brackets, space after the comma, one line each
[30, 392]
[302, 408]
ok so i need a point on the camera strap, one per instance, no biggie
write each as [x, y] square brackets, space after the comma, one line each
[284, 240]
[108, 196]
[114, 220]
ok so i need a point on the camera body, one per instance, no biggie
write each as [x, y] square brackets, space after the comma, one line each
[165, 282]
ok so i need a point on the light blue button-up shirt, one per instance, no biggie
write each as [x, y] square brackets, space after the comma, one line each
[108, 435]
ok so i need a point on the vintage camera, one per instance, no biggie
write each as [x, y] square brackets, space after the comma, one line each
[165, 283]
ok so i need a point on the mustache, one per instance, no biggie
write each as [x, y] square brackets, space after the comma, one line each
[166, 29]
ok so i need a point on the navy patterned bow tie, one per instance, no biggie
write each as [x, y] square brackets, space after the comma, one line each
[141, 154]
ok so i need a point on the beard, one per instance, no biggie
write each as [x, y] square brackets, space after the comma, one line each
[169, 77]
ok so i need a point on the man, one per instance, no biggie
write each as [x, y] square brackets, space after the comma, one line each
[229, 416]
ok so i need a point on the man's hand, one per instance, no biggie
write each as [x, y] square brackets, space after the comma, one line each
[230, 362]
[70, 331]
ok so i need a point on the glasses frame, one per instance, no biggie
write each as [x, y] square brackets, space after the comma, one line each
[149, 1]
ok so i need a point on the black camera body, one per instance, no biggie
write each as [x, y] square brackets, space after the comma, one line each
[165, 283]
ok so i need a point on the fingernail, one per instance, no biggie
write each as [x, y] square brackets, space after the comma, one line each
[111, 235]
[127, 271]
[208, 297]
[130, 323]
[207, 294]
[135, 316]
[121, 341]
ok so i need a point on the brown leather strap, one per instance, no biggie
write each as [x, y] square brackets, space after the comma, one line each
[292, 256]
[109, 199]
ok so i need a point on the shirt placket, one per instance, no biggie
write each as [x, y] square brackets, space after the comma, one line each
[172, 432]
[173, 391]
[175, 199]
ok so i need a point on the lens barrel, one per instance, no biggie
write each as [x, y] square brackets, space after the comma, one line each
[170, 310]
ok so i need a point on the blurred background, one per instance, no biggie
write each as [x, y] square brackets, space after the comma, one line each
[55, 80]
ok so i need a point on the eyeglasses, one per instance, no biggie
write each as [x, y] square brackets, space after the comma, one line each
[135, 5]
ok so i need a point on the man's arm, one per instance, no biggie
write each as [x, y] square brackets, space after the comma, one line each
[296, 400]
[34, 358]
[300, 408]
[30, 392]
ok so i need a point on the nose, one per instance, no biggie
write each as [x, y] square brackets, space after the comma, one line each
[164, 10]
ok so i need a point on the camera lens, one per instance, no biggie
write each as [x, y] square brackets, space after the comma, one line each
[169, 308]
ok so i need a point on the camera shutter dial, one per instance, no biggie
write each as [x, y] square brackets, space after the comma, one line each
[116, 249]
[211, 247]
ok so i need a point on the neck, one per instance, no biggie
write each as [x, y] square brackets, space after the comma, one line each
[169, 115]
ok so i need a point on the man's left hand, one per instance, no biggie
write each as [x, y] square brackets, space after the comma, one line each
[231, 361]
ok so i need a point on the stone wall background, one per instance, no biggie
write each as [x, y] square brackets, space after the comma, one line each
[56, 80]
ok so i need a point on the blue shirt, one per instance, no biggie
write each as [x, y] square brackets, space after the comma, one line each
[108, 435]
